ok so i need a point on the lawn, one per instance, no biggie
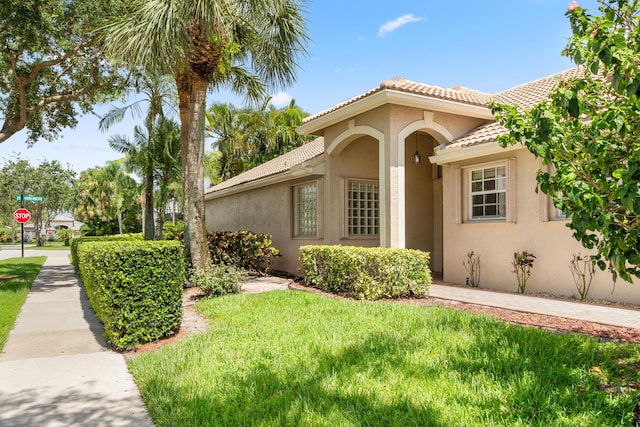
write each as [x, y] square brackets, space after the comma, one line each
[57, 245]
[13, 292]
[291, 358]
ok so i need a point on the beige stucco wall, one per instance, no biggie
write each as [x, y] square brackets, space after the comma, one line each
[358, 160]
[263, 210]
[269, 209]
[550, 241]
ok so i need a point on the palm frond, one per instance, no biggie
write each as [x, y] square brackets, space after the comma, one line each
[116, 114]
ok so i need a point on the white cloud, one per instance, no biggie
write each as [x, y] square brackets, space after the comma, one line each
[280, 99]
[391, 26]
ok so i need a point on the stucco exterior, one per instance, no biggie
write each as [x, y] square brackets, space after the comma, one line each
[534, 228]
[425, 204]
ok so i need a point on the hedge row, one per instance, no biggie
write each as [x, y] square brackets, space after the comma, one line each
[366, 273]
[135, 288]
[118, 237]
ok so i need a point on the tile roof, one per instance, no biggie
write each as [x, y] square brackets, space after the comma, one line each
[479, 135]
[275, 166]
[529, 94]
[525, 95]
[457, 94]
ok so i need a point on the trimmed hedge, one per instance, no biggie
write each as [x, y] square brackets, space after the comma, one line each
[79, 240]
[366, 273]
[135, 288]
[243, 249]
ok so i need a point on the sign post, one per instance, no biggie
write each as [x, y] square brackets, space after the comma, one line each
[23, 215]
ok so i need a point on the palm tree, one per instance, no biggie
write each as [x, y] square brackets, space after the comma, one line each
[159, 92]
[138, 160]
[159, 153]
[167, 167]
[205, 44]
[103, 193]
[232, 138]
[245, 138]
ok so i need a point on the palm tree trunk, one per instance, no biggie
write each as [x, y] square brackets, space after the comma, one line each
[192, 92]
[162, 207]
[119, 214]
[148, 206]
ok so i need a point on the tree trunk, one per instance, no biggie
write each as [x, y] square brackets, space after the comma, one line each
[162, 207]
[192, 91]
[148, 205]
[119, 214]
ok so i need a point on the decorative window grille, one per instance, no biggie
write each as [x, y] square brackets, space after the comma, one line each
[363, 211]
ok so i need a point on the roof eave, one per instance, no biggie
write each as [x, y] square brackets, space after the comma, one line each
[308, 168]
[456, 154]
[388, 96]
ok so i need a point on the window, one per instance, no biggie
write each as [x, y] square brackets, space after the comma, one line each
[488, 194]
[363, 208]
[548, 210]
[305, 199]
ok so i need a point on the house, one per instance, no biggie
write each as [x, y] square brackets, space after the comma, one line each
[412, 165]
[62, 221]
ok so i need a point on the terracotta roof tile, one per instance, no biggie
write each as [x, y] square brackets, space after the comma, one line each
[529, 94]
[275, 166]
[526, 96]
[480, 135]
[457, 94]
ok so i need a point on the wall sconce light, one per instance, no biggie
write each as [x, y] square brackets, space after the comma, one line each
[416, 156]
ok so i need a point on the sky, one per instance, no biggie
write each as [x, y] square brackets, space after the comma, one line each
[489, 45]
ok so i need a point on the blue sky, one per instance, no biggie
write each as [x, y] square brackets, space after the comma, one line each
[486, 45]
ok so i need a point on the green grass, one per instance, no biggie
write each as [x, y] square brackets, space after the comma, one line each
[297, 359]
[13, 293]
[48, 246]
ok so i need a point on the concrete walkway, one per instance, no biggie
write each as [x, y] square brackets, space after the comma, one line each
[571, 310]
[55, 368]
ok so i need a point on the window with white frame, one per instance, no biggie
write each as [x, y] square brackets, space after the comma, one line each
[363, 208]
[488, 192]
[558, 214]
[548, 209]
[305, 215]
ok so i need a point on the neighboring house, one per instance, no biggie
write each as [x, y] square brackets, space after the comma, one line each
[57, 223]
[411, 165]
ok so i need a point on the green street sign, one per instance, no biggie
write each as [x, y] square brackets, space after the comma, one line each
[29, 198]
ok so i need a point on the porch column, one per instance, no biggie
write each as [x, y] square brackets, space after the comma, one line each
[394, 192]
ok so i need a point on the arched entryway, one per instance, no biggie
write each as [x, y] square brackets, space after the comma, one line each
[423, 198]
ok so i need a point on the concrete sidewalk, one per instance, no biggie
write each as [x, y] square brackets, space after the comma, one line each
[55, 369]
[571, 310]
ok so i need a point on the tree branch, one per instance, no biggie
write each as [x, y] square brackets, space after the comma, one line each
[72, 96]
[56, 61]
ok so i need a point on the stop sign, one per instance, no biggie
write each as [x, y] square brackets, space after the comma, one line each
[22, 215]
